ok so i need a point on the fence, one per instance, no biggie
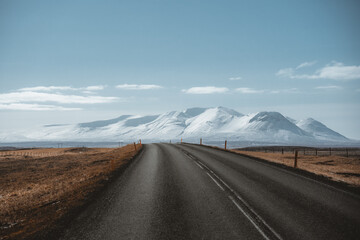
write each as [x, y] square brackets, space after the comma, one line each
[345, 152]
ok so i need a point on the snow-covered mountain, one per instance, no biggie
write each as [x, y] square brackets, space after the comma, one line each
[217, 124]
[319, 130]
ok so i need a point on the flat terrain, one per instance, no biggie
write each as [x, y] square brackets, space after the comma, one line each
[173, 191]
[340, 167]
[40, 186]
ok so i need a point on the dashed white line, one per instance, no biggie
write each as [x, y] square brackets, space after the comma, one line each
[216, 182]
[248, 217]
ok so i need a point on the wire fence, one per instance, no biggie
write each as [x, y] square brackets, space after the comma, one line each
[345, 152]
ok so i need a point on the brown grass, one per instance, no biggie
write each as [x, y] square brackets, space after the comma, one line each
[337, 168]
[40, 186]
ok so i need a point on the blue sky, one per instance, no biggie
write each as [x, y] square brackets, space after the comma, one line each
[76, 61]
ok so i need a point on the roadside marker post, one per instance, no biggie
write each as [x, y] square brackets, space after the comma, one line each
[112, 164]
[295, 160]
[225, 144]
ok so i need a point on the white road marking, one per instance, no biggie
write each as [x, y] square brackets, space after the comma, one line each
[245, 203]
[203, 166]
[216, 182]
[199, 165]
[248, 217]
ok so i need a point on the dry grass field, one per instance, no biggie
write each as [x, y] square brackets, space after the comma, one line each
[40, 186]
[337, 167]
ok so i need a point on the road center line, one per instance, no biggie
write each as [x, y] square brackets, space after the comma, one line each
[243, 202]
[248, 217]
[199, 165]
[216, 182]
[204, 166]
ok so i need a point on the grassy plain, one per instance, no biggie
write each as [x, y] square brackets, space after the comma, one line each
[41, 186]
[338, 167]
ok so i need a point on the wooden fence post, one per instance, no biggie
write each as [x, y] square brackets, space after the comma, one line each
[295, 160]
[135, 146]
[181, 140]
[282, 151]
[225, 144]
[200, 141]
[112, 164]
[316, 152]
[347, 152]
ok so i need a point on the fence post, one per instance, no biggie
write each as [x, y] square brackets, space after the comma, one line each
[316, 152]
[225, 144]
[200, 141]
[282, 151]
[135, 146]
[295, 160]
[112, 164]
[181, 140]
[347, 152]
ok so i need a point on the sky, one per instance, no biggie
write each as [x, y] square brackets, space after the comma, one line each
[79, 61]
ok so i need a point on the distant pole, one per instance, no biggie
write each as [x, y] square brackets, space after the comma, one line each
[200, 141]
[225, 144]
[295, 160]
[112, 164]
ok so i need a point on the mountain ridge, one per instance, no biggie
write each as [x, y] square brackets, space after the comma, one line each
[213, 123]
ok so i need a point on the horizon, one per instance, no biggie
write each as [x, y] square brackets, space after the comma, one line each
[74, 62]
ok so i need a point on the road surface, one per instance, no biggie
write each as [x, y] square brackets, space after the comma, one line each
[174, 191]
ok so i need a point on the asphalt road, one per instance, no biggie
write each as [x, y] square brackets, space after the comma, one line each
[194, 192]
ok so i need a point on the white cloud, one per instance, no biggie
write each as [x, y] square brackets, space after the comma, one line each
[306, 64]
[94, 88]
[205, 90]
[46, 89]
[235, 78]
[34, 107]
[338, 71]
[289, 90]
[248, 90]
[329, 87]
[286, 72]
[333, 71]
[61, 88]
[138, 86]
[28, 96]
